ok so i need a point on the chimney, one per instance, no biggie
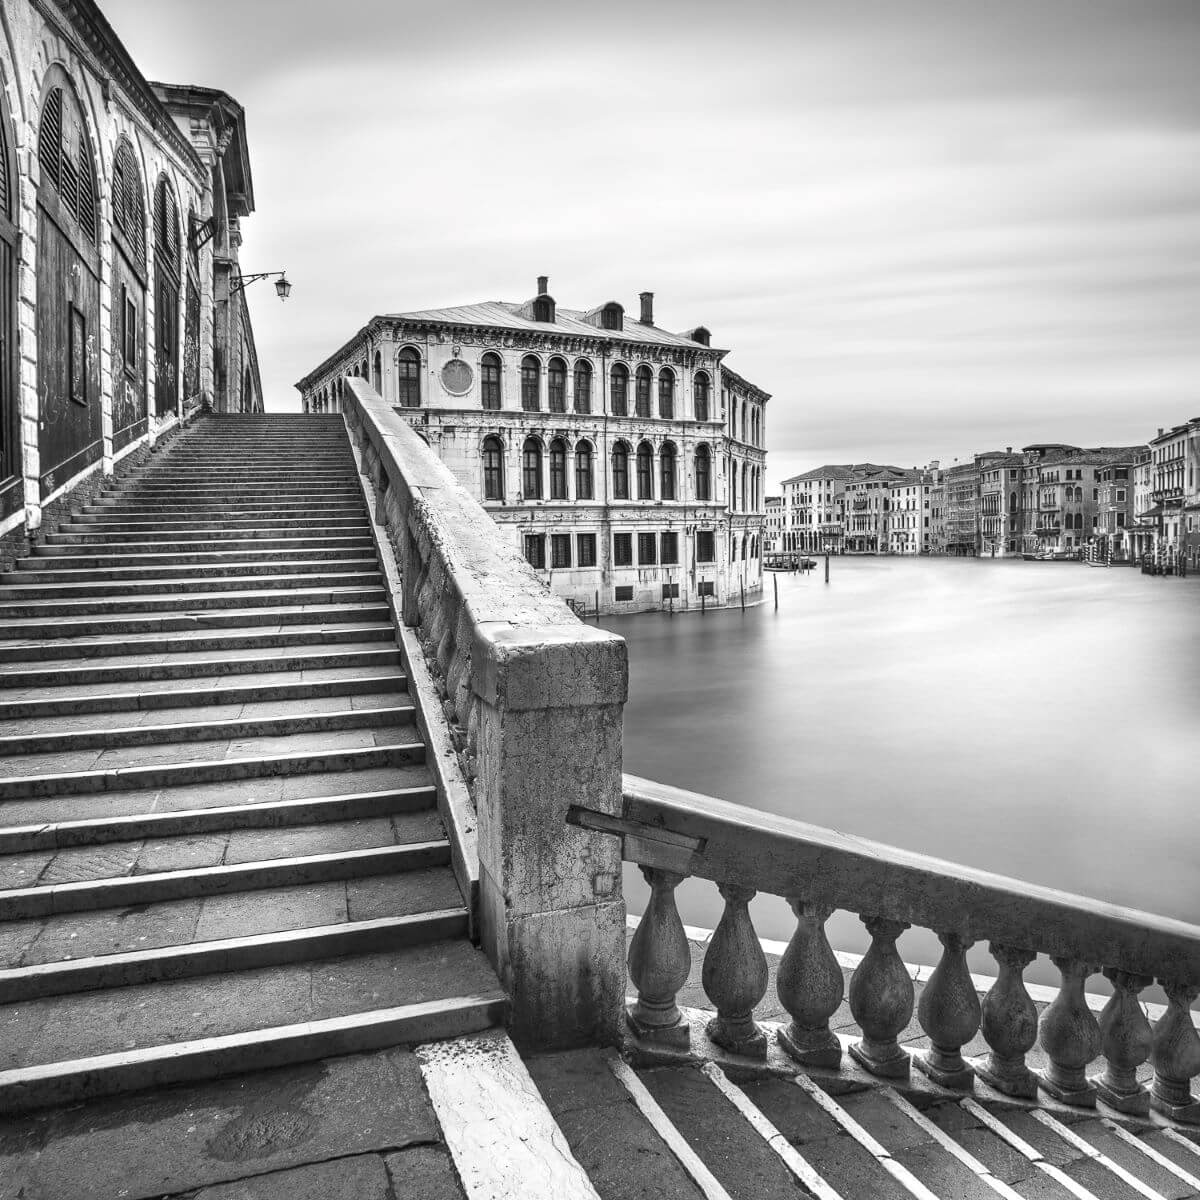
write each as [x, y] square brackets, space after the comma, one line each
[1007, 449]
[543, 284]
[647, 299]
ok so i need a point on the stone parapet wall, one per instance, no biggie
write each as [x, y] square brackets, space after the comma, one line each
[534, 698]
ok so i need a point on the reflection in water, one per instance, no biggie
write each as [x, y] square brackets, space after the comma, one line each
[1034, 719]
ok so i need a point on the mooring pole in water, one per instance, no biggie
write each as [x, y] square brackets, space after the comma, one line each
[702, 599]
[775, 581]
[597, 606]
[743, 595]
[826, 568]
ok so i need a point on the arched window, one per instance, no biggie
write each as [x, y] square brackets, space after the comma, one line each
[10, 452]
[731, 467]
[745, 485]
[531, 382]
[557, 379]
[583, 386]
[66, 161]
[167, 270]
[643, 391]
[377, 376]
[620, 471]
[666, 471]
[531, 469]
[701, 389]
[493, 469]
[620, 390]
[666, 394]
[1012, 501]
[584, 487]
[408, 377]
[703, 473]
[490, 372]
[558, 469]
[129, 299]
[645, 471]
[128, 203]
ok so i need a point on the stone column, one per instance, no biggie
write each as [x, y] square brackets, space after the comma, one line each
[551, 910]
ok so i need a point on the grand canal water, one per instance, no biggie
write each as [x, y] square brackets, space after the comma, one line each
[1040, 720]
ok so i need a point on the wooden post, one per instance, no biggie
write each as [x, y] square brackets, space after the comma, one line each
[703, 597]
[597, 606]
[775, 581]
[826, 568]
[742, 585]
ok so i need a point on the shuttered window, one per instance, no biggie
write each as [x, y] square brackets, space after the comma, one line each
[128, 204]
[166, 225]
[65, 161]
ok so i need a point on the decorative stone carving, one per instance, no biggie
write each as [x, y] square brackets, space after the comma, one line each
[881, 1000]
[1010, 1025]
[457, 376]
[810, 987]
[949, 1013]
[1126, 1038]
[1070, 1036]
[735, 976]
[1176, 1055]
[659, 962]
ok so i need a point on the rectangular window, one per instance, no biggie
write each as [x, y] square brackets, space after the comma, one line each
[1120, 520]
[77, 356]
[706, 587]
[670, 591]
[623, 595]
[585, 549]
[623, 549]
[706, 546]
[560, 549]
[1120, 495]
[646, 549]
[670, 549]
[129, 330]
[535, 550]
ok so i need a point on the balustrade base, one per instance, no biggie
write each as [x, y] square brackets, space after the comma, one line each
[819, 1048]
[1186, 1113]
[1076, 1096]
[960, 1078]
[677, 1036]
[1017, 1081]
[1135, 1103]
[752, 1044]
[882, 1063]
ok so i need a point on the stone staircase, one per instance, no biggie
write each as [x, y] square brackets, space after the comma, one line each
[219, 842]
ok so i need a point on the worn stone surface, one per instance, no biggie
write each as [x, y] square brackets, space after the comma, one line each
[423, 1173]
[363, 1177]
[178, 1140]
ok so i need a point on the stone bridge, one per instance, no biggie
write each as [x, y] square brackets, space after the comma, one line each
[312, 827]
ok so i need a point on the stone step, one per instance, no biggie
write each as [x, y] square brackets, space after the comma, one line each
[61, 558]
[92, 523]
[192, 822]
[73, 1048]
[195, 492]
[191, 546]
[54, 571]
[116, 704]
[137, 646]
[126, 667]
[197, 534]
[161, 730]
[160, 619]
[31, 903]
[102, 584]
[174, 770]
[229, 507]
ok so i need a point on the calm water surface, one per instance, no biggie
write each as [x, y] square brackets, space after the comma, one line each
[1040, 720]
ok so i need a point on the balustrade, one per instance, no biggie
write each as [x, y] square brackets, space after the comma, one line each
[674, 834]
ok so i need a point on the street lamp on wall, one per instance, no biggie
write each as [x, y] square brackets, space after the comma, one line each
[283, 288]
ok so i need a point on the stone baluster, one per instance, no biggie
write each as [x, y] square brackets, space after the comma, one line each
[1126, 1039]
[949, 1013]
[881, 1000]
[1010, 1025]
[1070, 1036]
[659, 962]
[735, 976]
[1176, 1055]
[810, 986]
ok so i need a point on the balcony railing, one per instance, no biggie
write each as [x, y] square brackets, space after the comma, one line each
[673, 835]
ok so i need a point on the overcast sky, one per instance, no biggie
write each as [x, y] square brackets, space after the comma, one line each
[927, 229]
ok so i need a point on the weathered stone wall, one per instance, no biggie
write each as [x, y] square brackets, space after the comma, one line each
[534, 698]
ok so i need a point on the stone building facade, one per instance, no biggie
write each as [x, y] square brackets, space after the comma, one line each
[624, 460]
[814, 510]
[119, 208]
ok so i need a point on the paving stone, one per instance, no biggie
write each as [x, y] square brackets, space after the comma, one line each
[423, 1173]
[942, 1173]
[110, 860]
[241, 914]
[1100, 1181]
[401, 895]
[15, 939]
[23, 870]
[182, 853]
[363, 1177]
[1133, 1160]
[114, 931]
[422, 826]
[884, 1121]
[179, 1139]
[253, 845]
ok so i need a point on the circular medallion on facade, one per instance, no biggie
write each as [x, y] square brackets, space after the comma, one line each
[456, 376]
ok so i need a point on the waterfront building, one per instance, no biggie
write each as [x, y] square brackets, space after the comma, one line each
[1034, 457]
[1173, 453]
[1143, 527]
[962, 509]
[933, 505]
[624, 460]
[905, 513]
[1000, 477]
[773, 525]
[867, 502]
[814, 510]
[1116, 510]
[120, 203]
[1069, 496]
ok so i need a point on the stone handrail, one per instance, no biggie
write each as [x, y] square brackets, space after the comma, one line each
[673, 834]
[533, 698]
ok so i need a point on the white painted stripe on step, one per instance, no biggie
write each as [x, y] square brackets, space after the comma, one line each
[951, 1147]
[802, 1170]
[1179, 1140]
[1019, 1144]
[1153, 1155]
[901, 1174]
[1069, 1136]
[504, 1141]
[703, 1178]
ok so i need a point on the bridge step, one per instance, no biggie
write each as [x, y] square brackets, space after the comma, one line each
[220, 847]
